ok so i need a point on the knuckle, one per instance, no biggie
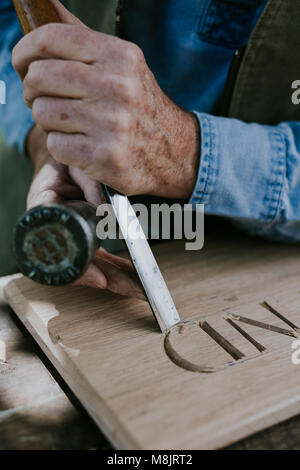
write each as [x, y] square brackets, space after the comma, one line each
[132, 53]
[38, 110]
[126, 90]
[34, 74]
[129, 91]
[45, 37]
[86, 77]
[75, 151]
[75, 69]
[66, 71]
[117, 123]
[54, 146]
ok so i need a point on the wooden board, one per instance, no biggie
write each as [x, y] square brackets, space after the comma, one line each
[35, 413]
[135, 382]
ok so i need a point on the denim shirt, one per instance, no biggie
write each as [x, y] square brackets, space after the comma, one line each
[249, 173]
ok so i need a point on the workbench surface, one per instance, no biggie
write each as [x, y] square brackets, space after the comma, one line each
[38, 411]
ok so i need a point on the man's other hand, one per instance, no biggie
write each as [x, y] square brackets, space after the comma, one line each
[55, 182]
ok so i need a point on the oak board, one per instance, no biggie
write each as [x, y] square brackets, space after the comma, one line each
[181, 390]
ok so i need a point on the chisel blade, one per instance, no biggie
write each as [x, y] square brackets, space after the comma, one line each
[154, 285]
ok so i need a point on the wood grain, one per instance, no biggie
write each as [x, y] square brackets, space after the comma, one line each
[111, 354]
[35, 413]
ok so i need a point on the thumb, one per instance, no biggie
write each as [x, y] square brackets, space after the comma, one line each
[65, 15]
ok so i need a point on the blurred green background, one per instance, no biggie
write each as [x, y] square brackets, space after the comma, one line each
[15, 177]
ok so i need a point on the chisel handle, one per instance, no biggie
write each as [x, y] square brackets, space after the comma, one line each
[35, 13]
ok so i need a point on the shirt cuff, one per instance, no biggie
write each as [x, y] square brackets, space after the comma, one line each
[242, 169]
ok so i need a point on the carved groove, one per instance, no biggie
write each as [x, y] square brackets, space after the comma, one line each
[224, 343]
[246, 335]
[180, 361]
[235, 353]
[260, 324]
[280, 316]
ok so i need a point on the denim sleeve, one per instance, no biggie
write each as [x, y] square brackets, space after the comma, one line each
[15, 118]
[250, 173]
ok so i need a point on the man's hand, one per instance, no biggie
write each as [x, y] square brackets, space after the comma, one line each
[51, 180]
[104, 112]
[54, 182]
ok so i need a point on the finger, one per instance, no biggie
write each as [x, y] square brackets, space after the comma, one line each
[118, 261]
[49, 186]
[120, 281]
[70, 149]
[80, 151]
[93, 277]
[60, 115]
[61, 41]
[97, 158]
[65, 78]
[91, 189]
[36, 198]
[39, 197]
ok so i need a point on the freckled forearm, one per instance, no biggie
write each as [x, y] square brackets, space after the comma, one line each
[181, 137]
[186, 138]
